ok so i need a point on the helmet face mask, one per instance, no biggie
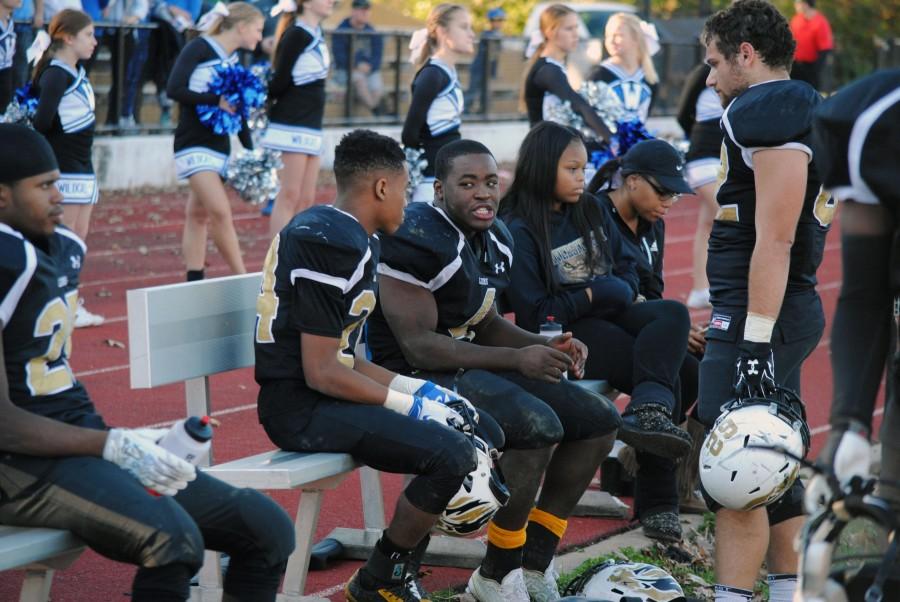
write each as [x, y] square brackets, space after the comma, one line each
[740, 467]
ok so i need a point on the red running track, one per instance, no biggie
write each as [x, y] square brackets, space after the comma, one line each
[135, 242]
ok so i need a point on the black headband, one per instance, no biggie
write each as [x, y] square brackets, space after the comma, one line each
[23, 153]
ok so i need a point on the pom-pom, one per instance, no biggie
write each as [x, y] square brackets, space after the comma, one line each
[254, 174]
[22, 107]
[416, 164]
[241, 89]
[629, 133]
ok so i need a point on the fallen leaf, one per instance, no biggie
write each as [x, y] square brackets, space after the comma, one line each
[114, 343]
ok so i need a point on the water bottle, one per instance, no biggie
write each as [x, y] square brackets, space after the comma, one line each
[189, 439]
[550, 328]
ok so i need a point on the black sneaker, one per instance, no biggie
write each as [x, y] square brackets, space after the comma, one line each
[404, 591]
[663, 526]
[649, 429]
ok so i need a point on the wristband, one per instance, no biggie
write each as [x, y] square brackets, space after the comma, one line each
[406, 384]
[399, 402]
[758, 328]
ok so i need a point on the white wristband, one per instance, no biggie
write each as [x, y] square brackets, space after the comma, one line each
[398, 401]
[406, 384]
[758, 328]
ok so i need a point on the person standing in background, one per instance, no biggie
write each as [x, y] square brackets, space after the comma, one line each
[488, 46]
[363, 69]
[812, 32]
[7, 50]
[33, 11]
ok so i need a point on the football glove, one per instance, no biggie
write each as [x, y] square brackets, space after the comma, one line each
[154, 467]
[429, 390]
[755, 370]
[422, 408]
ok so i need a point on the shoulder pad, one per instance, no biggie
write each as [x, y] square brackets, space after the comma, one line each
[771, 114]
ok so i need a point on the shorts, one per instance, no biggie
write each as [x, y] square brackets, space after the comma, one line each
[701, 172]
[293, 139]
[78, 188]
[195, 159]
[372, 80]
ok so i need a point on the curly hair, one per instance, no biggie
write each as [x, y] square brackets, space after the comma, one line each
[756, 22]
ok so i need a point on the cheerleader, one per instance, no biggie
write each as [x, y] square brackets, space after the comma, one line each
[629, 71]
[699, 112]
[546, 84]
[7, 51]
[201, 155]
[437, 98]
[65, 116]
[297, 104]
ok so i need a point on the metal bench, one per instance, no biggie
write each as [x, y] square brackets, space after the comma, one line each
[40, 552]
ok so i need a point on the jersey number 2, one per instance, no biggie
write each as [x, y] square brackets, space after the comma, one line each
[56, 321]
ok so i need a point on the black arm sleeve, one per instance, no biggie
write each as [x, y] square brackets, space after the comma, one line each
[293, 42]
[177, 88]
[552, 79]
[53, 83]
[245, 137]
[428, 84]
[687, 104]
[6, 87]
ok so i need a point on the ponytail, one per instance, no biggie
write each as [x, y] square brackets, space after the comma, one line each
[67, 22]
[439, 16]
[551, 17]
[604, 176]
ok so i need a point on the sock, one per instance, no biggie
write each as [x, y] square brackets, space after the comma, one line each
[732, 594]
[387, 564]
[781, 586]
[543, 535]
[193, 275]
[504, 552]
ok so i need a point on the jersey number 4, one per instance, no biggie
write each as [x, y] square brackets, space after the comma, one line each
[46, 374]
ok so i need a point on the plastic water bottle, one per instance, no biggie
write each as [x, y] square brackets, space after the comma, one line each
[189, 439]
[550, 328]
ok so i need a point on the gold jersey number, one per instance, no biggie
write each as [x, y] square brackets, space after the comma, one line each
[46, 374]
[362, 306]
[267, 301]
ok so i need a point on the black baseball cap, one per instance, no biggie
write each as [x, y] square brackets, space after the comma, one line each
[659, 159]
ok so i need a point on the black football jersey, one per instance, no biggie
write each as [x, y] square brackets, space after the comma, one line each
[38, 299]
[465, 275]
[856, 137]
[318, 278]
[775, 114]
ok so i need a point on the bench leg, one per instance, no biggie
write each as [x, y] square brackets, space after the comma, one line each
[305, 530]
[210, 579]
[36, 587]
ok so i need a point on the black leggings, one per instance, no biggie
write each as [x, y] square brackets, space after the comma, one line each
[113, 514]
[440, 456]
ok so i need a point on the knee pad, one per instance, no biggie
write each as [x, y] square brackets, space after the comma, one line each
[175, 539]
[267, 525]
[788, 506]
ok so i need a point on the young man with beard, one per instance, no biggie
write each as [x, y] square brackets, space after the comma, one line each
[440, 275]
[767, 242]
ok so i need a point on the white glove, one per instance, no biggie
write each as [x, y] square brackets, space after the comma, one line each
[421, 408]
[153, 466]
[817, 494]
[151, 434]
[852, 457]
[433, 391]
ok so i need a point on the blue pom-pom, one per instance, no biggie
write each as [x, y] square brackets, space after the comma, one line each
[629, 133]
[241, 89]
[27, 99]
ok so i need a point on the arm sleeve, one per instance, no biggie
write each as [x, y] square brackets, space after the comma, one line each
[528, 294]
[339, 43]
[293, 42]
[687, 103]
[6, 86]
[179, 80]
[53, 84]
[17, 266]
[427, 85]
[552, 79]
[245, 136]
[658, 268]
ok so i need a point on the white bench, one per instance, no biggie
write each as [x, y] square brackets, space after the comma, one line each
[40, 552]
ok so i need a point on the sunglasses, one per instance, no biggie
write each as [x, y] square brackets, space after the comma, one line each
[663, 194]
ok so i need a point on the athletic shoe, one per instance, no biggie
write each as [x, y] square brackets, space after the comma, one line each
[699, 299]
[386, 592]
[663, 526]
[511, 589]
[542, 586]
[84, 318]
[649, 429]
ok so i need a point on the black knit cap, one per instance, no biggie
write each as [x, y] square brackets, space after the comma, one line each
[659, 159]
[23, 153]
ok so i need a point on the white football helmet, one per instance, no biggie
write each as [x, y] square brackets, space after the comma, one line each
[614, 580]
[734, 471]
[482, 493]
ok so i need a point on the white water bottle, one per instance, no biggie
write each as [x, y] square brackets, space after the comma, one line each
[189, 439]
[550, 328]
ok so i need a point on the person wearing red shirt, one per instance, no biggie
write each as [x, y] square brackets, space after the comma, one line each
[814, 41]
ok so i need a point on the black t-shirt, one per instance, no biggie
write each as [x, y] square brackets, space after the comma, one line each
[856, 137]
[188, 84]
[38, 299]
[318, 278]
[465, 275]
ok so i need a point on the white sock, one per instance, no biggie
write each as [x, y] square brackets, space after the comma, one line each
[781, 587]
[725, 593]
